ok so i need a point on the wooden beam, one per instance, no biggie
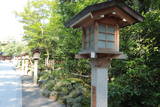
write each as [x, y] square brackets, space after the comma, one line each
[97, 14]
[123, 15]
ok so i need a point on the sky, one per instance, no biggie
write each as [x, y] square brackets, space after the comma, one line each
[10, 28]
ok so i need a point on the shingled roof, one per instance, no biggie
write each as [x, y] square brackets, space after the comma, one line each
[105, 5]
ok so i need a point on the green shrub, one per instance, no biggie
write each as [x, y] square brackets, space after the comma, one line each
[72, 92]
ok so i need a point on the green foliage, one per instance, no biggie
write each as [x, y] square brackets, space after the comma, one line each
[13, 48]
[136, 82]
[133, 82]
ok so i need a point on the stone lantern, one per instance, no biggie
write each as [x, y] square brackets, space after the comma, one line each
[101, 24]
[36, 57]
[36, 54]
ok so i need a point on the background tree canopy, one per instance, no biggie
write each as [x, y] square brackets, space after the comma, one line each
[13, 48]
[133, 82]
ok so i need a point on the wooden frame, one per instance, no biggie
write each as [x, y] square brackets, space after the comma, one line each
[94, 26]
[114, 35]
[85, 28]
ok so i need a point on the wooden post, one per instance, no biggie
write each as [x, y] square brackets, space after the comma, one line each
[100, 82]
[35, 79]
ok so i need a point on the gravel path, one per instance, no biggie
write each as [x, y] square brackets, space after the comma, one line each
[10, 86]
[32, 97]
[17, 90]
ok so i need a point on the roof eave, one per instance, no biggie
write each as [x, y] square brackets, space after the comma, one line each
[88, 11]
[132, 13]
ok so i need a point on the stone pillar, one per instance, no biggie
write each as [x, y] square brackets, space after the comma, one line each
[23, 65]
[100, 82]
[35, 78]
[18, 63]
[26, 66]
[30, 73]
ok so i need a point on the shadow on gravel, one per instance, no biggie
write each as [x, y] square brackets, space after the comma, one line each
[31, 96]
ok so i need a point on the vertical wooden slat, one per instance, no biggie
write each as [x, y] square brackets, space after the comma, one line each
[117, 38]
[83, 38]
[93, 96]
[89, 38]
[96, 36]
